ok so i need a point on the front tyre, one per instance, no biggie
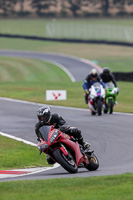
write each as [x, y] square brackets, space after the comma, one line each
[99, 107]
[111, 106]
[68, 163]
[93, 163]
[93, 113]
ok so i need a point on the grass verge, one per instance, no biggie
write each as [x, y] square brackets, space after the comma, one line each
[117, 187]
[17, 155]
[38, 27]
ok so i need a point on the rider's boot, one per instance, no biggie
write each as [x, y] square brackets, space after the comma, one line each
[85, 145]
[86, 98]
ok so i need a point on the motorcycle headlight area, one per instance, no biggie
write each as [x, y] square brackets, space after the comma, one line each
[54, 136]
[114, 91]
[43, 147]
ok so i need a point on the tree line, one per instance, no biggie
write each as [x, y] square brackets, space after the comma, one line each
[64, 7]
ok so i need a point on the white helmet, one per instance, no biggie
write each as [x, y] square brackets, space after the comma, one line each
[93, 73]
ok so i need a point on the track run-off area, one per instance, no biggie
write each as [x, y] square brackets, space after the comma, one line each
[111, 136]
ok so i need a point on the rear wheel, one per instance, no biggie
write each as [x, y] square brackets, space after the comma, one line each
[110, 106]
[93, 163]
[67, 162]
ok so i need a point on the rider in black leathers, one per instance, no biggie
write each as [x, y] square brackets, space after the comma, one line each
[106, 76]
[46, 118]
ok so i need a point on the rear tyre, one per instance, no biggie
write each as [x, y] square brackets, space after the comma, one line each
[110, 106]
[93, 164]
[68, 164]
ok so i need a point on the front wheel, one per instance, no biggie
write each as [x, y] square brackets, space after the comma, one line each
[93, 113]
[93, 163]
[99, 107]
[111, 106]
[67, 162]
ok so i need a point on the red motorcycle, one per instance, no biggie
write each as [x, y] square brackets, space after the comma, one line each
[65, 150]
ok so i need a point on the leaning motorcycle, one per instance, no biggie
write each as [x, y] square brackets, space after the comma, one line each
[111, 93]
[96, 98]
[65, 150]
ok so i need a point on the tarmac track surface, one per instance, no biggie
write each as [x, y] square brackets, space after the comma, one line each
[111, 136]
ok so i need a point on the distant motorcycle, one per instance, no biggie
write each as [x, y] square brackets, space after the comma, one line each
[111, 93]
[96, 98]
[65, 150]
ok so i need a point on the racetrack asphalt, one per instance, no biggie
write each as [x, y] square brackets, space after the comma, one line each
[111, 136]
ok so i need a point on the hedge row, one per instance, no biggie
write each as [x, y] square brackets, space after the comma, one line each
[123, 76]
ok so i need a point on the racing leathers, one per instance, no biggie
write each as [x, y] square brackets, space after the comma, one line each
[88, 83]
[108, 78]
[58, 122]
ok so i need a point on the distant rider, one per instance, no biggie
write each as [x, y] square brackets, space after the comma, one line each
[45, 117]
[89, 81]
[107, 76]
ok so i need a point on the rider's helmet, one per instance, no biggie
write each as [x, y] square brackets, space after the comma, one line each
[44, 115]
[106, 71]
[94, 74]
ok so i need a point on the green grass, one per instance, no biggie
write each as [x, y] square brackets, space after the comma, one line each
[120, 65]
[29, 70]
[29, 79]
[37, 27]
[117, 187]
[30, 83]
[17, 155]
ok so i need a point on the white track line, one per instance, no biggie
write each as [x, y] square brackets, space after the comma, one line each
[64, 69]
[31, 170]
[35, 171]
[18, 139]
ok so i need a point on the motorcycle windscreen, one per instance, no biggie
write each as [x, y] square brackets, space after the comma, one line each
[97, 88]
[44, 130]
[109, 85]
[96, 84]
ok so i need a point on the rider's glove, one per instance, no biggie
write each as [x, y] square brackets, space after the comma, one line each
[86, 91]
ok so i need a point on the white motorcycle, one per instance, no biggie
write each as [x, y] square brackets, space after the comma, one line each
[96, 98]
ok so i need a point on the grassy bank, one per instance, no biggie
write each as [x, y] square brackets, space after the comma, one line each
[96, 188]
[38, 26]
[28, 79]
[17, 155]
[34, 77]
[118, 58]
